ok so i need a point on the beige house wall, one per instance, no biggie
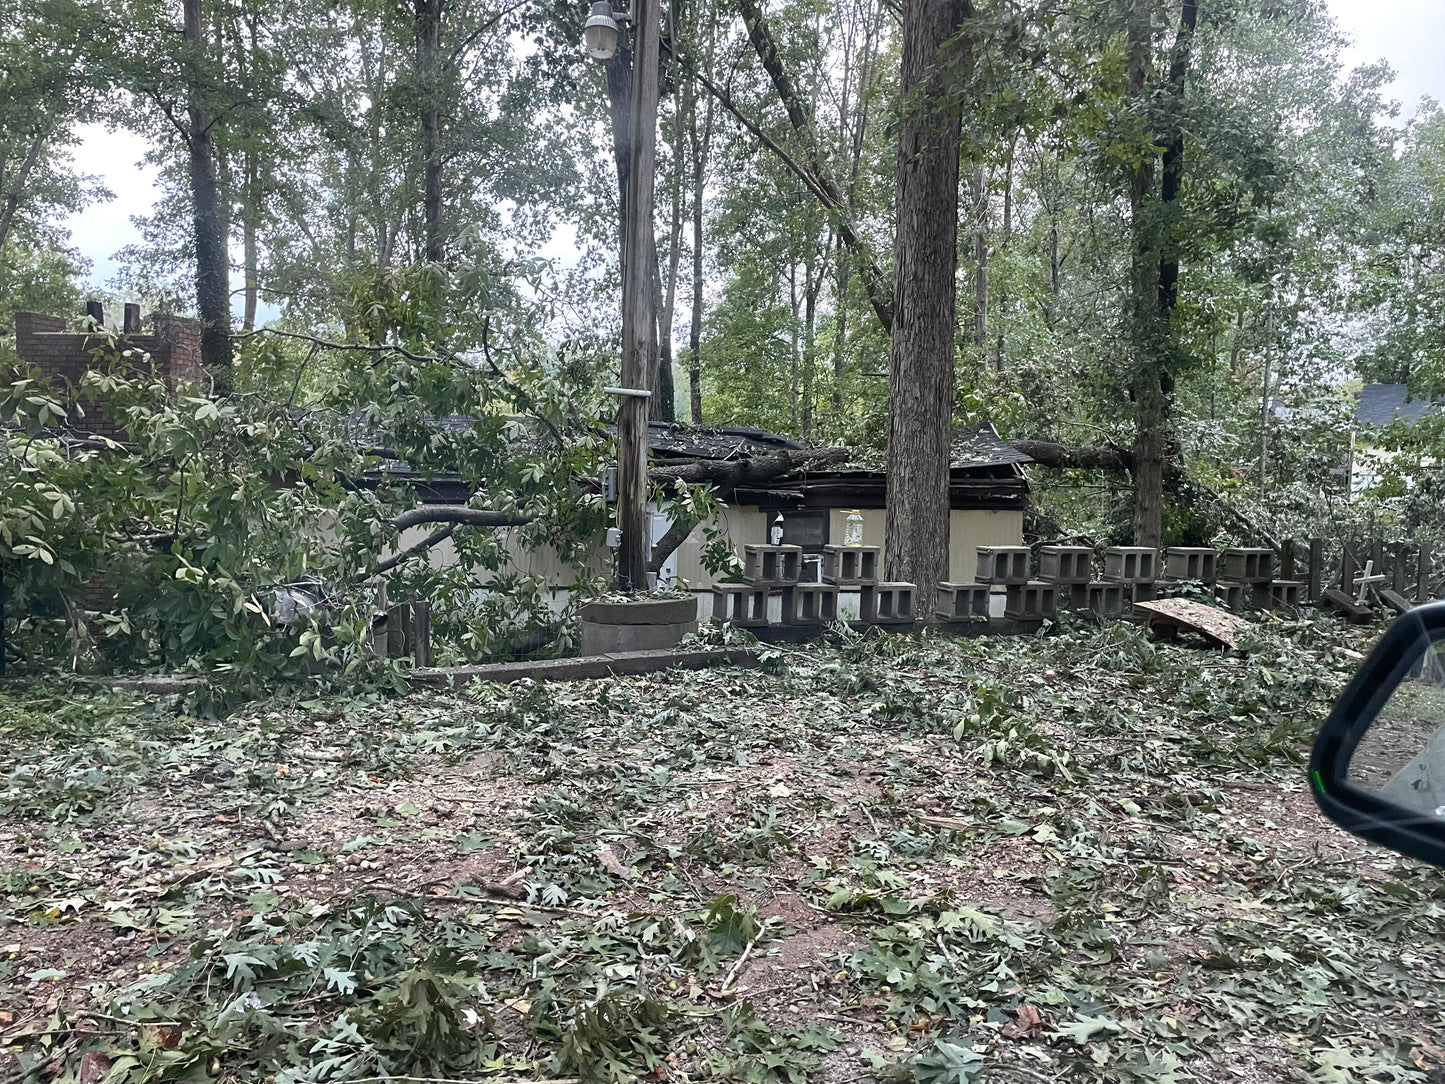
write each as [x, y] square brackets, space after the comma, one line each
[967, 530]
[746, 525]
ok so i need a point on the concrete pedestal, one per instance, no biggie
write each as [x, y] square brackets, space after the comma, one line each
[637, 625]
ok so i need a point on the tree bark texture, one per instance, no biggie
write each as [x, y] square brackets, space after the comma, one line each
[213, 293]
[920, 410]
[428, 47]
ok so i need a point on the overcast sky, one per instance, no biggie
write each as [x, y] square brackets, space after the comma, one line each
[1409, 34]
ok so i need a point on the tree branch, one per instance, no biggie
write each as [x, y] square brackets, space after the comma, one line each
[826, 192]
[403, 555]
[459, 515]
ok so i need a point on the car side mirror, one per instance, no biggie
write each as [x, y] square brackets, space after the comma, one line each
[1378, 766]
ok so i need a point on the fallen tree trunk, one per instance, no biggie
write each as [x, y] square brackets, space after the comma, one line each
[731, 473]
[1051, 453]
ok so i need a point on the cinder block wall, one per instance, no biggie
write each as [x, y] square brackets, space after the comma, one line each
[65, 356]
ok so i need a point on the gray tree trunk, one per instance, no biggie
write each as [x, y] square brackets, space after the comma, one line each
[213, 292]
[920, 409]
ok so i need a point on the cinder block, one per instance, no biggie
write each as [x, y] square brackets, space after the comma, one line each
[741, 604]
[1243, 565]
[1230, 595]
[1131, 564]
[1073, 596]
[1106, 600]
[887, 604]
[1143, 592]
[1189, 563]
[772, 566]
[1033, 601]
[961, 601]
[810, 604]
[1003, 564]
[1066, 564]
[1285, 594]
[850, 565]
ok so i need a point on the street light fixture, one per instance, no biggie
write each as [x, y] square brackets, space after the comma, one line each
[601, 34]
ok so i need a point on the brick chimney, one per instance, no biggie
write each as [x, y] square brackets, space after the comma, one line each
[65, 356]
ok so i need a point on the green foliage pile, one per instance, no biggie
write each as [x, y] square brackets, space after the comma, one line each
[1089, 857]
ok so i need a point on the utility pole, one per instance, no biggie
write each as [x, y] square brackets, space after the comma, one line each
[639, 313]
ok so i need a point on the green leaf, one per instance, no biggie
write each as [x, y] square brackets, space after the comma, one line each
[1085, 1029]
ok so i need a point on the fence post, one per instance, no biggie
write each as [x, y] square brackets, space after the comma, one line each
[421, 644]
[1286, 559]
[1422, 574]
[1317, 568]
[1400, 556]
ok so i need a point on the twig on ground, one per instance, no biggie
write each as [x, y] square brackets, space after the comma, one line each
[733, 971]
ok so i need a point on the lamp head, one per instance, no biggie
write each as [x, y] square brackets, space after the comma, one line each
[601, 33]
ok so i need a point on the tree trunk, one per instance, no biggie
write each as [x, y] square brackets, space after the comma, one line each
[659, 407]
[213, 292]
[428, 46]
[663, 405]
[16, 184]
[840, 333]
[920, 411]
[701, 142]
[813, 284]
[795, 344]
[980, 258]
[250, 213]
[1004, 241]
[1144, 303]
[1156, 273]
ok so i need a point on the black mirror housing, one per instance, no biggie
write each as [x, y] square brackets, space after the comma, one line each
[1377, 814]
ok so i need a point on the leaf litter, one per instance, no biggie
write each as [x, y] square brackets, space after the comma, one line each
[1083, 857]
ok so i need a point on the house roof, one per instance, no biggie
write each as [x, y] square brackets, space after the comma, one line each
[1381, 404]
[983, 447]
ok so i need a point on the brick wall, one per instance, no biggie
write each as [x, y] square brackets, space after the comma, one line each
[66, 356]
